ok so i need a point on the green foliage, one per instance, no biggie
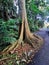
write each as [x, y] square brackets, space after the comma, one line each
[7, 9]
[6, 3]
[47, 8]
[34, 8]
[40, 24]
[8, 31]
[32, 11]
[9, 28]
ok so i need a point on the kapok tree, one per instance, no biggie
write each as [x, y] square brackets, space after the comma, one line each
[26, 36]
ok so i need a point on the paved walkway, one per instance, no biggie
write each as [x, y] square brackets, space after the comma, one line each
[42, 57]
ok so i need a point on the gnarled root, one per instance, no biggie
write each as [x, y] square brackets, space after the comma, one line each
[33, 42]
[11, 48]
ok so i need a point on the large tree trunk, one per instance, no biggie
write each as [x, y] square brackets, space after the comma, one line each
[26, 36]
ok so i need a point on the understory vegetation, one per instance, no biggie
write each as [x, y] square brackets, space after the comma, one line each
[9, 31]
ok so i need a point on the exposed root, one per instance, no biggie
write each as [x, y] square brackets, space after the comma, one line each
[23, 49]
[27, 43]
[34, 42]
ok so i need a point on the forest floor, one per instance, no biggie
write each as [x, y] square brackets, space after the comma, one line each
[28, 53]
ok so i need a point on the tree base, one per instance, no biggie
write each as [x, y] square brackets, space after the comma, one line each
[25, 49]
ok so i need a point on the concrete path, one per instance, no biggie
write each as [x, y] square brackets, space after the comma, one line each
[42, 57]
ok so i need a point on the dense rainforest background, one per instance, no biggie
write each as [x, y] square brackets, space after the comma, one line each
[11, 20]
